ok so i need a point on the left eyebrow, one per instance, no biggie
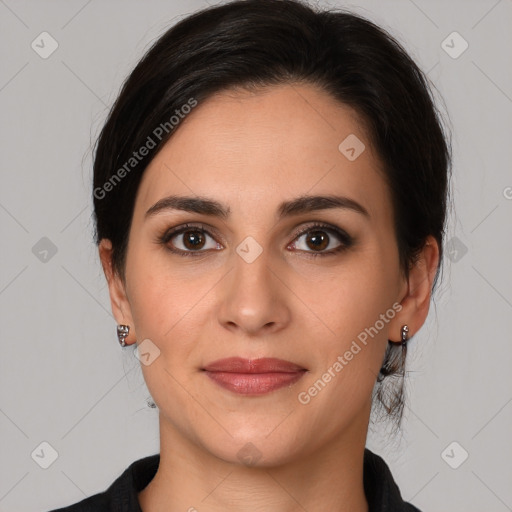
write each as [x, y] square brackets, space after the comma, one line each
[297, 206]
[306, 204]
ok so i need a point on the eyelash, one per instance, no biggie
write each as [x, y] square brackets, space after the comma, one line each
[346, 240]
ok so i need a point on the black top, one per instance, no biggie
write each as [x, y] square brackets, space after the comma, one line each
[380, 489]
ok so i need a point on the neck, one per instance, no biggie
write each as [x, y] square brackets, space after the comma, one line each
[191, 479]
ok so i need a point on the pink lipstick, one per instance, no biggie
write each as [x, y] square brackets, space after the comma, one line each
[253, 377]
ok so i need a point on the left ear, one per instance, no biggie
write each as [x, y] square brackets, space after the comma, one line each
[416, 291]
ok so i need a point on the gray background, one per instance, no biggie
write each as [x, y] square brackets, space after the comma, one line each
[64, 379]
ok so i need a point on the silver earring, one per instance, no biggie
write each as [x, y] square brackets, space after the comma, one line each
[122, 333]
[404, 334]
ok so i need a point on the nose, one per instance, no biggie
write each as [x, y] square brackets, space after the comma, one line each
[254, 298]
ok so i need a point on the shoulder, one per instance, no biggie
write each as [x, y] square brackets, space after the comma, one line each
[97, 503]
[382, 492]
[122, 493]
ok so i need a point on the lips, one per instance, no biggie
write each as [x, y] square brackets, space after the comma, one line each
[253, 377]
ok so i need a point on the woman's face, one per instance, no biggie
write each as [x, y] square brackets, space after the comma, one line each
[261, 281]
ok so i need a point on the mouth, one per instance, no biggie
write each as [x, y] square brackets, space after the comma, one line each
[253, 377]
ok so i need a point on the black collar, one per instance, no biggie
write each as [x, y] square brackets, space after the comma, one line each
[380, 489]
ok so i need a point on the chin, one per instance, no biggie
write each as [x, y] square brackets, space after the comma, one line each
[254, 454]
[256, 449]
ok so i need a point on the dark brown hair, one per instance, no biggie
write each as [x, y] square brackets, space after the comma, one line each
[258, 43]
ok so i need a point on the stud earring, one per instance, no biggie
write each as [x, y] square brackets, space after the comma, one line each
[122, 333]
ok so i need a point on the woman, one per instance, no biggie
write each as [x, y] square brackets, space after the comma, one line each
[270, 195]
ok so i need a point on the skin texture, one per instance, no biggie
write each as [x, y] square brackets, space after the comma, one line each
[251, 151]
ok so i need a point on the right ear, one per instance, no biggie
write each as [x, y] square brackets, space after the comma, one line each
[118, 298]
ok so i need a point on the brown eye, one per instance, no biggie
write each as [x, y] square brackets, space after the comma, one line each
[193, 239]
[320, 240]
[189, 241]
[317, 240]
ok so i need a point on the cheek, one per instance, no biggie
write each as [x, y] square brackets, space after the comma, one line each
[356, 302]
[351, 296]
[342, 299]
[168, 308]
[167, 302]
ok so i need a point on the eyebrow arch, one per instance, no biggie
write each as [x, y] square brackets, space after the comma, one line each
[300, 205]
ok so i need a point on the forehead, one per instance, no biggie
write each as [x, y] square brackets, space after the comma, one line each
[278, 141]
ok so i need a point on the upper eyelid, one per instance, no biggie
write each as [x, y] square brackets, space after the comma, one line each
[320, 225]
[179, 230]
